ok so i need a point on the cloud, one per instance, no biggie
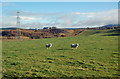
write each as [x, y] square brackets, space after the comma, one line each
[27, 13]
[30, 18]
[12, 20]
[84, 14]
[101, 18]
[73, 19]
[8, 3]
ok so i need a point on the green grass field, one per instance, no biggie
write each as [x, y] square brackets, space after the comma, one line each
[96, 56]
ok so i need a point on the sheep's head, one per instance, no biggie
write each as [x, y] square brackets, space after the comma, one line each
[50, 43]
[77, 44]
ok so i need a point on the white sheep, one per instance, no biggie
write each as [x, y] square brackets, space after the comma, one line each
[48, 45]
[74, 46]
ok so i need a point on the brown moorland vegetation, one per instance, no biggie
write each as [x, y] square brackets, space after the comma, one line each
[39, 34]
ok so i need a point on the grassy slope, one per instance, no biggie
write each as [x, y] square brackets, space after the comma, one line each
[96, 56]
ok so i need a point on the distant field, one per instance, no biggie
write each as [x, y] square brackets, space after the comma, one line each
[97, 56]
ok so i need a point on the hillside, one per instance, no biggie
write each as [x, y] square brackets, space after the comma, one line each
[114, 32]
[37, 34]
[96, 56]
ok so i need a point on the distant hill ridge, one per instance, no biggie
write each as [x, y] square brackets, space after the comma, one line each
[106, 26]
[111, 25]
[8, 28]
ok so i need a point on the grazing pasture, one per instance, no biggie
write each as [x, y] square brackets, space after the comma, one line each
[96, 56]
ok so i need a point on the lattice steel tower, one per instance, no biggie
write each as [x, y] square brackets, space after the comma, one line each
[18, 32]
